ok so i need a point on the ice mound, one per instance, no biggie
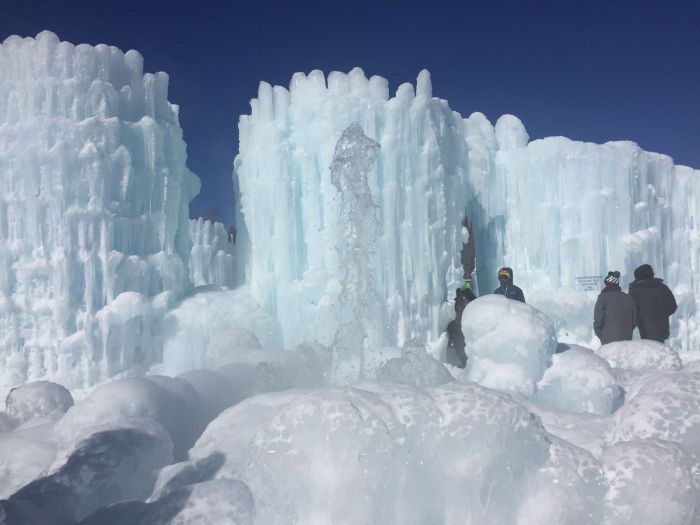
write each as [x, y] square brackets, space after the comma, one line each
[214, 390]
[120, 401]
[374, 453]
[94, 197]
[568, 489]
[25, 455]
[415, 367]
[651, 482]
[580, 381]
[114, 463]
[38, 399]
[640, 356]
[509, 344]
[220, 501]
[196, 332]
[662, 405]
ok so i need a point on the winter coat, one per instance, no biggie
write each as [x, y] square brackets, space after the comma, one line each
[655, 304]
[614, 315]
[510, 290]
[458, 355]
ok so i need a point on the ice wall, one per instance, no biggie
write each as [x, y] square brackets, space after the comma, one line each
[93, 210]
[212, 260]
[567, 210]
[555, 210]
[290, 208]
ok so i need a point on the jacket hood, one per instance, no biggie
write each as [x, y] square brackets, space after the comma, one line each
[508, 270]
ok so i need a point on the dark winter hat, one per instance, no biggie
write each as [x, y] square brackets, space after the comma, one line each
[645, 271]
[613, 278]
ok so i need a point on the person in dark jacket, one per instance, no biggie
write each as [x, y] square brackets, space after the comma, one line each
[615, 313]
[507, 288]
[655, 304]
[455, 346]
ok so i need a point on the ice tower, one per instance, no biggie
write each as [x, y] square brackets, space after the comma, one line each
[94, 197]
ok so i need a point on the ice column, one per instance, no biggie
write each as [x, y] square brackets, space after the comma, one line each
[212, 259]
[94, 194]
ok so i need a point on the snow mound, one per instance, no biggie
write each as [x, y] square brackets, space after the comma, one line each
[651, 482]
[663, 405]
[640, 356]
[500, 331]
[580, 381]
[38, 399]
[373, 453]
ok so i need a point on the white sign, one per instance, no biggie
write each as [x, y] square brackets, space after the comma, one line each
[589, 283]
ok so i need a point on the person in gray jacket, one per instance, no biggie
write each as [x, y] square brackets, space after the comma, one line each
[615, 313]
[655, 304]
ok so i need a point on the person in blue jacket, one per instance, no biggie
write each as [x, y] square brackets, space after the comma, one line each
[507, 288]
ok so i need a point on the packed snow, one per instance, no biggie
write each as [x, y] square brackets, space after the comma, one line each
[158, 370]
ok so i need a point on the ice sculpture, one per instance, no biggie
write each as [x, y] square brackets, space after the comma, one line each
[94, 197]
[212, 259]
[560, 212]
[290, 207]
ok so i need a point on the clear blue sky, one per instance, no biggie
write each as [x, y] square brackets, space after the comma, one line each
[593, 71]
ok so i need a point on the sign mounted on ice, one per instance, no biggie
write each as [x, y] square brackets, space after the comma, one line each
[588, 283]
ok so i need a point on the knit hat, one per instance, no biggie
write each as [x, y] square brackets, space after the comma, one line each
[613, 278]
[645, 271]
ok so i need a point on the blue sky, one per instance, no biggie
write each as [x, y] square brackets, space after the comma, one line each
[593, 71]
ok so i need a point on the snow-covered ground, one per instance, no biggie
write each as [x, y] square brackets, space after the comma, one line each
[157, 373]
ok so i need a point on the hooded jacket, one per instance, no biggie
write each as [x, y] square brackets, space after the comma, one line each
[655, 304]
[614, 315]
[510, 290]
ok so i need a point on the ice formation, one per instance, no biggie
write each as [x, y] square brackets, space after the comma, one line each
[212, 260]
[559, 212]
[94, 197]
[509, 344]
[343, 249]
[290, 208]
